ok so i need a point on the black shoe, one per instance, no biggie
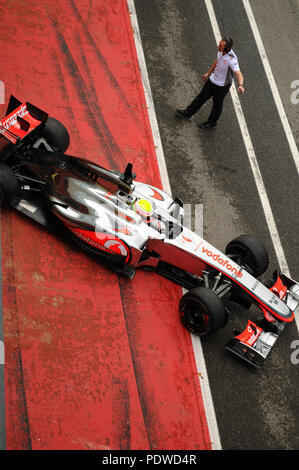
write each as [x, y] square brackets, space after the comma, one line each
[207, 125]
[183, 113]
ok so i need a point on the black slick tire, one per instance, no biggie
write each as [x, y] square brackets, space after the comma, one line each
[56, 135]
[202, 311]
[8, 183]
[249, 252]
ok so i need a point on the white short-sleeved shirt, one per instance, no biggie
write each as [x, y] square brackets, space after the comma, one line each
[227, 64]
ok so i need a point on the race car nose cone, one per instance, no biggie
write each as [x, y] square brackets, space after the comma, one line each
[295, 291]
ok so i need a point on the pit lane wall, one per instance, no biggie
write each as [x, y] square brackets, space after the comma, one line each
[92, 359]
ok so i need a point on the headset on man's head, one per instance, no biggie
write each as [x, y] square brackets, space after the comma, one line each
[228, 44]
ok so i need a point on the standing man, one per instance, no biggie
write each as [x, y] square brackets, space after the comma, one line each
[217, 82]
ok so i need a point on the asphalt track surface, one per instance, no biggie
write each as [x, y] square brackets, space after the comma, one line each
[254, 409]
[77, 357]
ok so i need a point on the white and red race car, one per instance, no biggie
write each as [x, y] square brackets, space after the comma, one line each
[130, 225]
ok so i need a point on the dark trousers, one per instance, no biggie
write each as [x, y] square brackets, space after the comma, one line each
[209, 90]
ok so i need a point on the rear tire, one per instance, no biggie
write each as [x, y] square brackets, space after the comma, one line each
[249, 252]
[202, 311]
[8, 183]
[56, 135]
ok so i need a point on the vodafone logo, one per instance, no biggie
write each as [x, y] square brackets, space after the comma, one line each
[253, 336]
[102, 241]
[223, 262]
[250, 334]
[116, 246]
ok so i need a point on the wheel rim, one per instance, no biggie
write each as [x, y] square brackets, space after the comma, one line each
[195, 317]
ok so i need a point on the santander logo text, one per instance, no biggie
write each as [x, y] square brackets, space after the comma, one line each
[223, 262]
[11, 120]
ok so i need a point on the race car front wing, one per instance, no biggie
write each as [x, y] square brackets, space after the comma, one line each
[257, 340]
[255, 343]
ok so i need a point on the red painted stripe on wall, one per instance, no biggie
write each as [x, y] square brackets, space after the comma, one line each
[93, 360]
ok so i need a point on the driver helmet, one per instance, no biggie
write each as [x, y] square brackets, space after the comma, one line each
[143, 207]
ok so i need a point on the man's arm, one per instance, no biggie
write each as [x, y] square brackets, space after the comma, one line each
[211, 69]
[240, 79]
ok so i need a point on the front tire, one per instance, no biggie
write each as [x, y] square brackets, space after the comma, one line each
[249, 252]
[202, 311]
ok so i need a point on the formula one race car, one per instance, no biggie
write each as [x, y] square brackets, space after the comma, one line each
[128, 225]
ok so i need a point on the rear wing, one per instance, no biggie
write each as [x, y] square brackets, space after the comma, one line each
[20, 120]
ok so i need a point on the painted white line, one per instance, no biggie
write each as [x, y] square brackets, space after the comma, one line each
[199, 358]
[206, 393]
[149, 98]
[254, 165]
[272, 83]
